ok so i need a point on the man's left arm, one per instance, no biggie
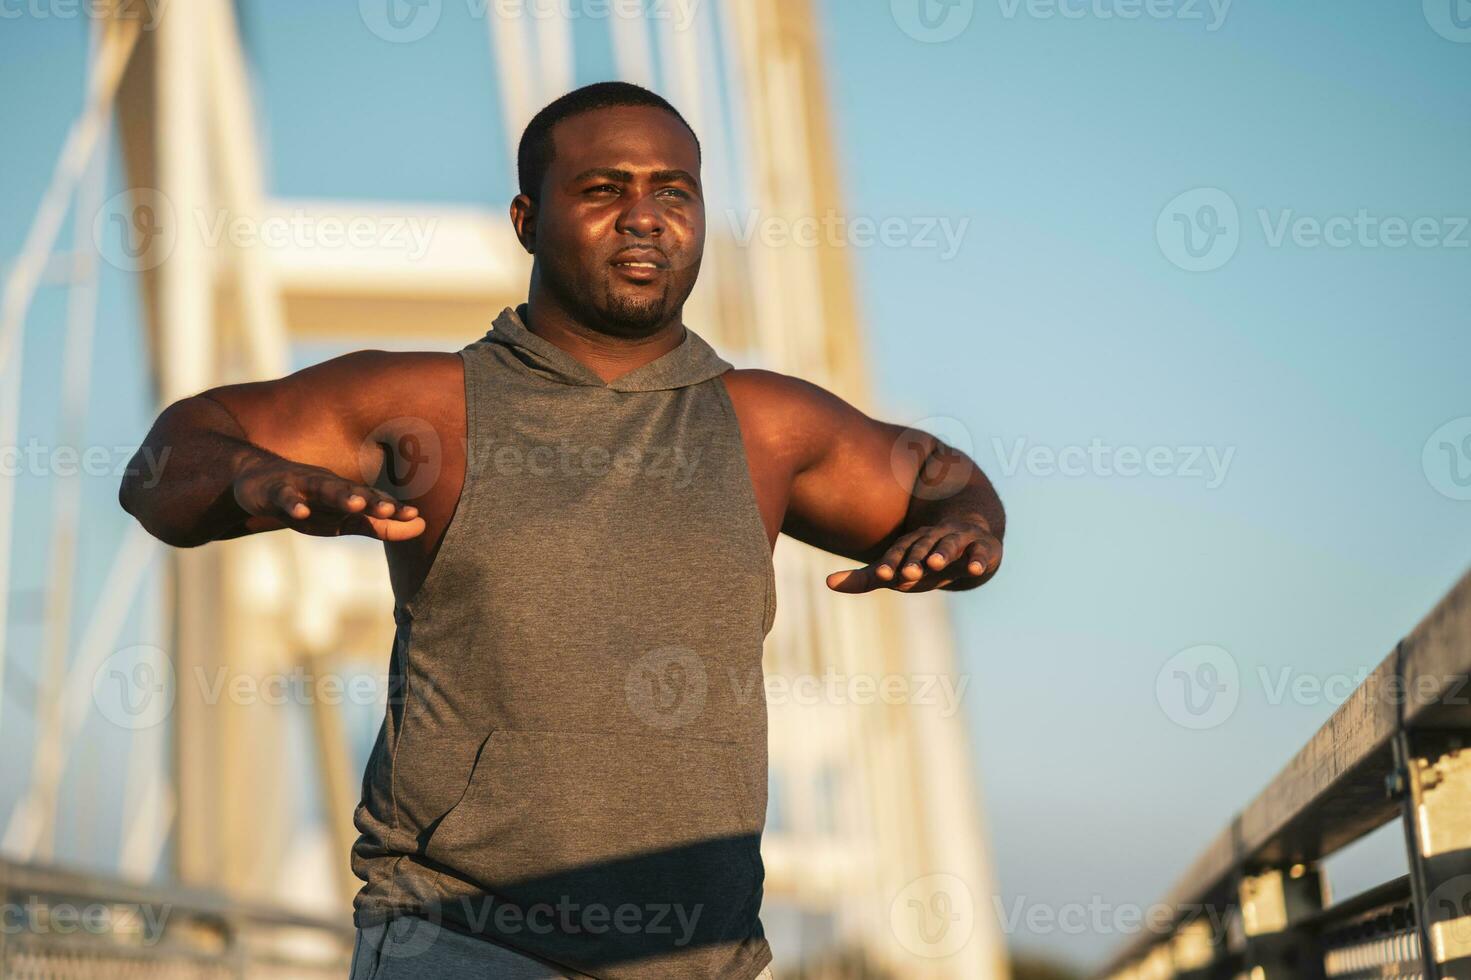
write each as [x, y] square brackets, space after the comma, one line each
[918, 513]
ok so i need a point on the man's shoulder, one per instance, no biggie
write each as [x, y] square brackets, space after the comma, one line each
[764, 393]
[783, 414]
[770, 388]
[429, 384]
[362, 375]
[405, 364]
[364, 386]
[374, 373]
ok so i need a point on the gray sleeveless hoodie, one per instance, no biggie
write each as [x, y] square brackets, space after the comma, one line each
[573, 760]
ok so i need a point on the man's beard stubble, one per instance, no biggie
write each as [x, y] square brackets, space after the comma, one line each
[627, 315]
[602, 307]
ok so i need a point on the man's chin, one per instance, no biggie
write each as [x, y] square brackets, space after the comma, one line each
[634, 316]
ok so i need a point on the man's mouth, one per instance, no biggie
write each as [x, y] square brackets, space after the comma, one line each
[642, 265]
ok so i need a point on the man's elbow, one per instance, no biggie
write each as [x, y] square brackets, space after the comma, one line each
[135, 496]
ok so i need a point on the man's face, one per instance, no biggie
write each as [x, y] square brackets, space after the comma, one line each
[619, 231]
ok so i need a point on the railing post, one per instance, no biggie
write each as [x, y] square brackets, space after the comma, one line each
[1193, 948]
[1436, 768]
[1274, 904]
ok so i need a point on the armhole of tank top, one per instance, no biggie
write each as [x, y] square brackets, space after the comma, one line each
[447, 540]
[753, 503]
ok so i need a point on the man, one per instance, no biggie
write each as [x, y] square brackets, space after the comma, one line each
[579, 512]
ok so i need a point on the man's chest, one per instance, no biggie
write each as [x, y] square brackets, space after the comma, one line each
[672, 471]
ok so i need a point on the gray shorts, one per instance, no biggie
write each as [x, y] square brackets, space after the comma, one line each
[405, 948]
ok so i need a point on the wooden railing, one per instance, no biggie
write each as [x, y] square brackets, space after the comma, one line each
[1253, 903]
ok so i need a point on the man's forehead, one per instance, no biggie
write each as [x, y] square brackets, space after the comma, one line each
[625, 138]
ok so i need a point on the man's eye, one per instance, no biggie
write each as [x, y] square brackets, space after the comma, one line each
[602, 188]
[676, 192]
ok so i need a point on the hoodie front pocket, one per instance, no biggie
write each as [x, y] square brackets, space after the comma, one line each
[622, 829]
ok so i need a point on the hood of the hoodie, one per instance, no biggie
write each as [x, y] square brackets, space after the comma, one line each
[692, 362]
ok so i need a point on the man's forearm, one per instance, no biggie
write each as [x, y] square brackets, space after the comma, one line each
[180, 483]
[951, 487]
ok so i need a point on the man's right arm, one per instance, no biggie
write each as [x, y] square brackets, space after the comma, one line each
[298, 452]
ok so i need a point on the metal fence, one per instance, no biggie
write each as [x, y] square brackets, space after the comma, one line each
[66, 925]
[1253, 905]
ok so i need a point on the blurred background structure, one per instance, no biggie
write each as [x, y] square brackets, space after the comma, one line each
[1027, 198]
[242, 727]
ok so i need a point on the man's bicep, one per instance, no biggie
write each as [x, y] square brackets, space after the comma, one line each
[326, 415]
[853, 497]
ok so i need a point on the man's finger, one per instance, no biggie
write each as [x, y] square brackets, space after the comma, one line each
[981, 557]
[347, 497]
[912, 567]
[396, 529]
[291, 503]
[383, 528]
[343, 496]
[887, 566]
[856, 580]
[946, 551]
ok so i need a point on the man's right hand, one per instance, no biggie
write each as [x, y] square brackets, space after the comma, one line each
[278, 493]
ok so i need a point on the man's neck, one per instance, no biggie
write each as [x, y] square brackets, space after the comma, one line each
[609, 357]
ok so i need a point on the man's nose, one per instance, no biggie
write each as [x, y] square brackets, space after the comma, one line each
[643, 218]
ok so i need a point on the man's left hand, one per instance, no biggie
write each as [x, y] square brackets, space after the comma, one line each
[953, 555]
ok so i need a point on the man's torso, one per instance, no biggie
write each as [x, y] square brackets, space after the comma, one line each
[577, 714]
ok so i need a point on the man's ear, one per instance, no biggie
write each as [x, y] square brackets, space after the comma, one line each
[523, 219]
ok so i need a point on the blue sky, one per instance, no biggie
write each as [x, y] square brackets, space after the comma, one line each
[1062, 329]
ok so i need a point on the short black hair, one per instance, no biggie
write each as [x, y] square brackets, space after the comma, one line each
[534, 156]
